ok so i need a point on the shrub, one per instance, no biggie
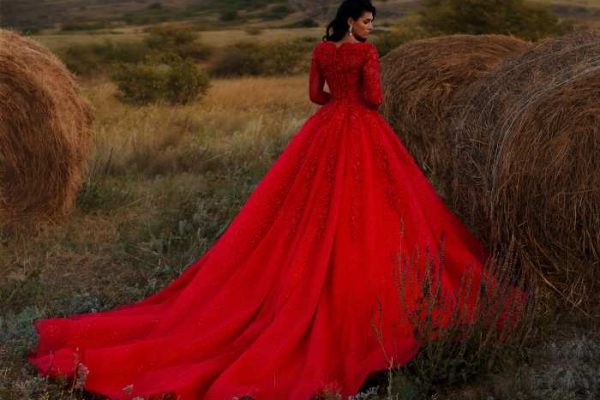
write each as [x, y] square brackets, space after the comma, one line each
[249, 58]
[30, 30]
[277, 12]
[178, 82]
[228, 15]
[483, 326]
[186, 82]
[83, 27]
[242, 58]
[165, 36]
[389, 40]
[530, 21]
[282, 58]
[89, 59]
[308, 23]
[176, 40]
[140, 83]
[303, 23]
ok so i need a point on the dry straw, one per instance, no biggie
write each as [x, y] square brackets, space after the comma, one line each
[527, 165]
[420, 80]
[45, 132]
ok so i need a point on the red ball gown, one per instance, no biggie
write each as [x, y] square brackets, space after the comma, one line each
[300, 293]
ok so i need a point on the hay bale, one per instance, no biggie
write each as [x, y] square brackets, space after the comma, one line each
[45, 132]
[420, 79]
[528, 161]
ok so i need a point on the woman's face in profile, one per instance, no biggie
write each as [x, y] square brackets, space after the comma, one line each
[363, 25]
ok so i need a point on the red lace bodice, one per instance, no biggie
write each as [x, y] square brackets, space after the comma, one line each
[351, 71]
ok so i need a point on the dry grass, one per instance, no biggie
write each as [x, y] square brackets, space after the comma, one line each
[420, 80]
[526, 151]
[45, 132]
[164, 182]
[232, 124]
[150, 160]
[146, 211]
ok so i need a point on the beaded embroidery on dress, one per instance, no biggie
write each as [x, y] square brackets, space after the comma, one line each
[284, 302]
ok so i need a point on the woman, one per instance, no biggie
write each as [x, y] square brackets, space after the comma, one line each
[299, 294]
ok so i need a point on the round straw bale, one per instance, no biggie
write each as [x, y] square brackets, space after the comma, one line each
[45, 132]
[527, 162]
[420, 79]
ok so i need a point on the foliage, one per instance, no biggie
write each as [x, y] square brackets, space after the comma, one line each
[186, 82]
[305, 23]
[388, 40]
[477, 339]
[93, 58]
[171, 39]
[169, 35]
[251, 58]
[83, 26]
[516, 17]
[276, 12]
[228, 15]
[178, 82]
[242, 58]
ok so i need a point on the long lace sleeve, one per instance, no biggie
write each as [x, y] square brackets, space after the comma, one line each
[316, 82]
[371, 78]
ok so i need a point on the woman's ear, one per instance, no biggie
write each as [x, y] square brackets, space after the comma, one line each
[350, 21]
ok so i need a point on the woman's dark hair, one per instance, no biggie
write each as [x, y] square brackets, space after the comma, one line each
[349, 8]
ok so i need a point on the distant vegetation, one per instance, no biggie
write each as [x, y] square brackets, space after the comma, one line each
[162, 43]
[516, 17]
[30, 16]
[92, 59]
[253, 58]
[176, 82]
[168, 70]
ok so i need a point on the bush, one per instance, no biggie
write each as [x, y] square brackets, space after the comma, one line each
[30, 30]
[242, 58]
[228, 15]
[249, 58]
[276, 12]
[92, 26]
[179, 82]
[186, 82]
[165, 36]
[308, 23]
[176, 40]
[389, 40]
[89, 59]
[303, 23]
[141, 83]
[482, 327]
[282, 58]
[529, 21]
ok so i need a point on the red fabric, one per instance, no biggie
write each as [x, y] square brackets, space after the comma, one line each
[300, 292]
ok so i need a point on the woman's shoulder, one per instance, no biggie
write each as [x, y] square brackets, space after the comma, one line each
[323, 43]
[334, 46]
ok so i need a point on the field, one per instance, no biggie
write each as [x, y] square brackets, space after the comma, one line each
[164, 183]
[217, 39]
